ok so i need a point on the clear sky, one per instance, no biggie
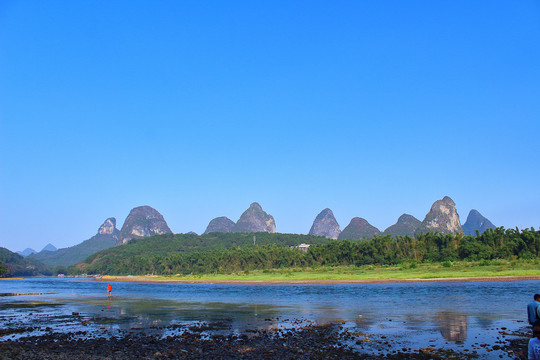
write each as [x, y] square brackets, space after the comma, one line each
[199, 108]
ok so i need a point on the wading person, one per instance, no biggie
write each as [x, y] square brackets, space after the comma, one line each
[532, 309]
[109, 291]
[534, 344]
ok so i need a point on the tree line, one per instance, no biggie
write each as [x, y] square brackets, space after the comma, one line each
[229, 253]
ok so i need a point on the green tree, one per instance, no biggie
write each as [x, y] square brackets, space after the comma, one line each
[3, 270]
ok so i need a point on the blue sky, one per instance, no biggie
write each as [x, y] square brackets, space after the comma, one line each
[198, 108]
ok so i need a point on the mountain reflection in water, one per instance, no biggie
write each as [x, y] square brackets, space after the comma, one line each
[453, 326]
[411, 315]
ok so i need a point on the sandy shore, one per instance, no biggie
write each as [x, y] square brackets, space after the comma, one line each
[152, 279]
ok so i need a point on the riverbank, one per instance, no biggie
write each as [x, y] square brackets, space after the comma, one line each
[429, 272]
[188, 280]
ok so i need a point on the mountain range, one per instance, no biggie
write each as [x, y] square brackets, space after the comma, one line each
[145, 221]
[254, 219]
[442, 218]
[30, 251]
[106, 237]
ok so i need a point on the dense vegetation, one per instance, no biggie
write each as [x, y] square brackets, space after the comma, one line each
[16, 265]
[233, 252]
[171, 245]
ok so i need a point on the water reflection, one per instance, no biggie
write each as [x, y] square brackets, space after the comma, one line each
[129, 314]
[438, 314]
[453, 326]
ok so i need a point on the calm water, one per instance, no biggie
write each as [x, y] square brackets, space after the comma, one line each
[452, 315]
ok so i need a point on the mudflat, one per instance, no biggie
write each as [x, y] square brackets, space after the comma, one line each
[329, 341]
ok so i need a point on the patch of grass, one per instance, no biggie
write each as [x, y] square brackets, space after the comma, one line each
[373, 272]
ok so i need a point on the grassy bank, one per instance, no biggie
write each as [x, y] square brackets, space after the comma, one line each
[426, 271]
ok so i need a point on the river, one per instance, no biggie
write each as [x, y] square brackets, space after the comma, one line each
[455, 315]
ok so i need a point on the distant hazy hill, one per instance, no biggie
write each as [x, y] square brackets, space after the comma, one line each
[26, 252]
[220, 224]
[106, 237]
[476, 222]
[21, 266]
[49, 247]
[406, 225]
[359, 228]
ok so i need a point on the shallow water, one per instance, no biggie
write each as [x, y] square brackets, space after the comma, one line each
[456, 315]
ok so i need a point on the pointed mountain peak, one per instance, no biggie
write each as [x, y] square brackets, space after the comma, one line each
[255, 219]
[442, 218]
[326, 212]
[325, 224]
[448, 200]
[49, 247]
[476, 222]
[108, 227]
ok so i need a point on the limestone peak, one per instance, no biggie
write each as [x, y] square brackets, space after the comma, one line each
[255, 219]
[442, 218]
[405, 225]
[476, 222]
[220, 224]
[325, 224]
[359, 228]
[143, 221]
[108, 227]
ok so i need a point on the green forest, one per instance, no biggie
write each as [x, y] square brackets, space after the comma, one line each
[233, 252]
[12, 264]
[3, 270]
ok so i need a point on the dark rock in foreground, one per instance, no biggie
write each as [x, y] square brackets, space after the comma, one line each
[311, 342]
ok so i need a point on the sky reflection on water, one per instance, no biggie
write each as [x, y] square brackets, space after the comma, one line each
[411, 314]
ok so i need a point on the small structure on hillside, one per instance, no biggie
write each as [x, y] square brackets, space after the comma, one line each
[303, 247]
